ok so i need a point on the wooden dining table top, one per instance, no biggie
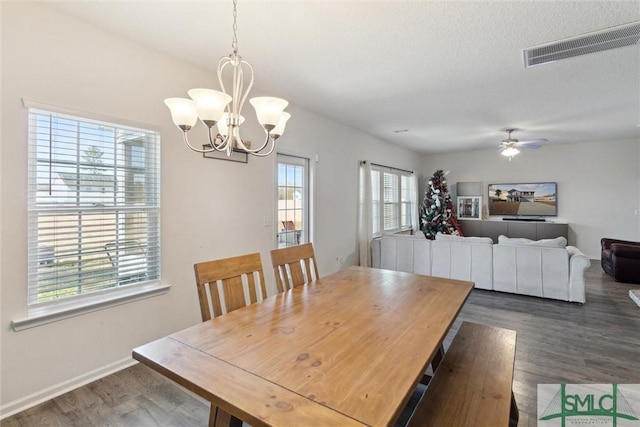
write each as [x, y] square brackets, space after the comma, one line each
[347, 349]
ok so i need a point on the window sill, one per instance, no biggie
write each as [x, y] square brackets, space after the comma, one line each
[64, 310]
[408, 231]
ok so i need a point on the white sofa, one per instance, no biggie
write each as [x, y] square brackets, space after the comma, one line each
[545, 268]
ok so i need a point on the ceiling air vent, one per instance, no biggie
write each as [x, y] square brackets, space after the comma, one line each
[611, 38]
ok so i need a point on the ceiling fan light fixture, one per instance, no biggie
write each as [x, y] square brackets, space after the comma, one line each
[510, 151]
[509, 147]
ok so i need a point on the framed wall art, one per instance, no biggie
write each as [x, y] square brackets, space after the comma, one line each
[470, 207]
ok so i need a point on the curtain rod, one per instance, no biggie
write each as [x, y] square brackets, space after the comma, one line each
[385, 166]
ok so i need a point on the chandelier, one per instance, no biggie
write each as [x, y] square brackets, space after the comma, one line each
[223, 109]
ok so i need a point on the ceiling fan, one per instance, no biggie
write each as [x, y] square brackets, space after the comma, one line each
[509, 147]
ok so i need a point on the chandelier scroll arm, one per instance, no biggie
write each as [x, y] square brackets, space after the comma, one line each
[185, 138]
[246, 91]
[258, 152]
[222, 145]
[222, 62]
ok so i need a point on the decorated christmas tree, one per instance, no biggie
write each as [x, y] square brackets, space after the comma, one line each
[437, 207]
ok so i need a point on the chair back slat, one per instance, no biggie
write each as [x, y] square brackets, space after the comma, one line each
[296, 275]
[294, 266]
[216, 301]
[229, 272]
[252, 288]
[278, 272]
[234, 293]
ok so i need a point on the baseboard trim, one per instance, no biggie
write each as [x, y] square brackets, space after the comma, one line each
[56, 390]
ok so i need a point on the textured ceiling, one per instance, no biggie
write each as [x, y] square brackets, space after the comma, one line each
[449, 72]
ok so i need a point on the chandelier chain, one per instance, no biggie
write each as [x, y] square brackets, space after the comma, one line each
[234, 42]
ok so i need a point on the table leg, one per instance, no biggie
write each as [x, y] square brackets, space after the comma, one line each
[221, 418]
[437, 358]
[514, 415]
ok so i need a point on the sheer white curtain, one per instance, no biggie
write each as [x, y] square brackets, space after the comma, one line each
[413, 183]
[365, 206]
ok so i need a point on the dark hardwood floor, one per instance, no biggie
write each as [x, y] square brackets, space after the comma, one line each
[558, 342]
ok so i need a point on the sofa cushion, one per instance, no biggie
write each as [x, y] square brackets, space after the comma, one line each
[409, 253]
[558, 242]
[531, 270]
[463, 260]
[451, 238]
[396, 254]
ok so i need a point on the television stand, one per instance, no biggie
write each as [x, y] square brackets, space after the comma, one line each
[527, 219]
[534, 230]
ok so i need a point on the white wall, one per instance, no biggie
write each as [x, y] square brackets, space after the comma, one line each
[598, 184]
[210, 208]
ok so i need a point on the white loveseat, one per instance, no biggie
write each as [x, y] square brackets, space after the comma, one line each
[545, 268]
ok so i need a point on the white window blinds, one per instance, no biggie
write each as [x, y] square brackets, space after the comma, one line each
[391, 201]
[94, 206]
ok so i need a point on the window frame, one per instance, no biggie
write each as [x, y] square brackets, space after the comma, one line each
[399, 204]
[303, 234]
[58, 308]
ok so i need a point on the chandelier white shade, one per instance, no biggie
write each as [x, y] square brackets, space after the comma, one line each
[277, 131]
[183, 112]
[269, 110]
[223, 109]
[210, 104]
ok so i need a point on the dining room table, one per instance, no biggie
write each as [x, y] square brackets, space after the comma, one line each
[345, 350]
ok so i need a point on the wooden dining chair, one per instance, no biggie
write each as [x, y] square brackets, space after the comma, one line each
[294, 266]
[229, 272]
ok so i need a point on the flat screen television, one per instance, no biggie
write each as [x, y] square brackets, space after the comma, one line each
[531, 199]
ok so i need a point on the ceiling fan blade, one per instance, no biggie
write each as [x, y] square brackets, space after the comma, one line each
[532, 141]
[529, 146]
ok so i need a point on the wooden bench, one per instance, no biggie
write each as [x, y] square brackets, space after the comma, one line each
[472, 386]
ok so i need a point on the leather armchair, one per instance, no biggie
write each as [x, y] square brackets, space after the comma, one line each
[620, 259]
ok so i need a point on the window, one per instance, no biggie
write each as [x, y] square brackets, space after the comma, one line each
[391, 196]
[94, 206]
[292, 200]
